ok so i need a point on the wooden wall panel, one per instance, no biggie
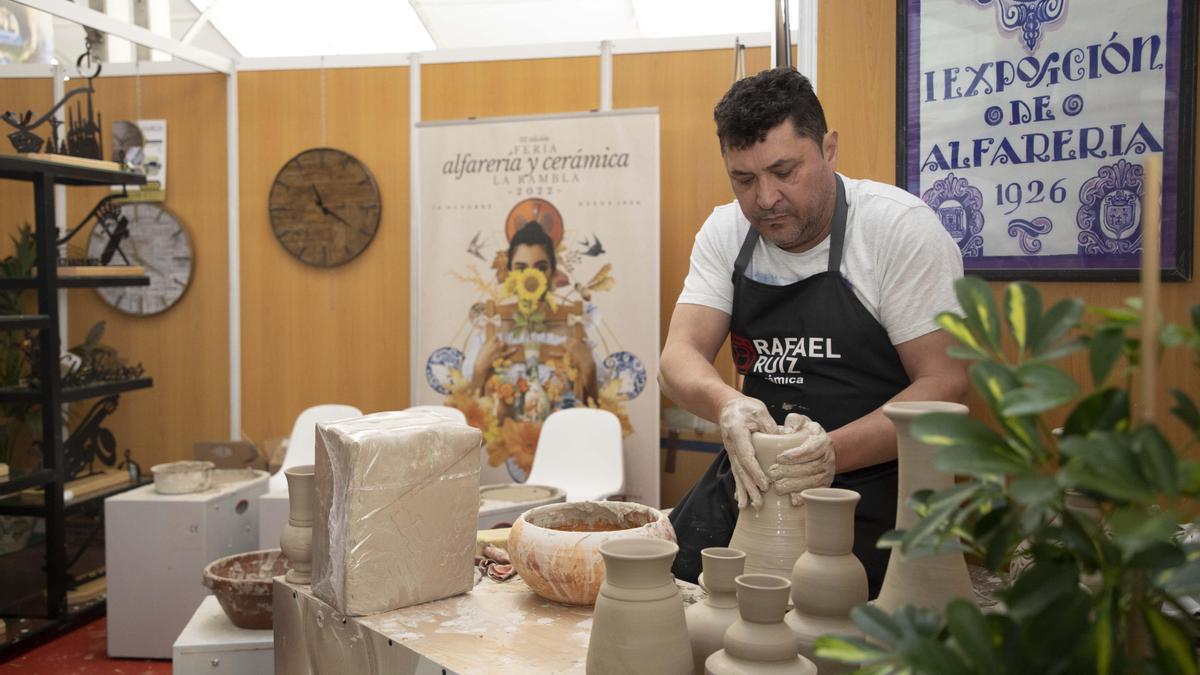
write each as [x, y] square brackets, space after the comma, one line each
[684, 86]
[184, 349]
[16, 198]
[452, 91]
[856, 78]
[312, 335]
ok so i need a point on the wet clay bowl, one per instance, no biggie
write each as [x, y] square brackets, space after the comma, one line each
[242, 584]
[556, 548]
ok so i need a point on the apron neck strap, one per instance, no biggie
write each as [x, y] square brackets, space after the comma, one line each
[837, 236]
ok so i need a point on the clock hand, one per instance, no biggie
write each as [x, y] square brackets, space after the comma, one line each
[320, 202]
[335, 215]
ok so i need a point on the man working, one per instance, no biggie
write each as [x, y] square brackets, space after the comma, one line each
[828, 287]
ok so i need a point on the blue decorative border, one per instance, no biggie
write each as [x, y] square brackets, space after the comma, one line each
[1178, 161]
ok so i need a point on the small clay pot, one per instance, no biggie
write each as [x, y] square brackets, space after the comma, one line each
[297, 535]
[179, 478]
[556, 548]
[708, 620]
[759, 642]
[242, 584]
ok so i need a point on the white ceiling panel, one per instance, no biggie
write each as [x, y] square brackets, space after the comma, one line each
[464, 24]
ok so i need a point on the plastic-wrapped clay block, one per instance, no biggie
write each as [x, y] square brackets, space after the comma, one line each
[397, 509]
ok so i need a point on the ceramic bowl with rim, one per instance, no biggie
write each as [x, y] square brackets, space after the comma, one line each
[242, 583]
[556, 548]
[178, 478]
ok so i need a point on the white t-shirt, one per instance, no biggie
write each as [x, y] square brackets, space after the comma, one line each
[897, 257]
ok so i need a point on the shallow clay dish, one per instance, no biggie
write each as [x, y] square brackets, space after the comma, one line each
[242, 584]
[178, 478]
[555, 548]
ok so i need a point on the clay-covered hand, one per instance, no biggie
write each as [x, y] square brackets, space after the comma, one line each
[808, 465]
[739, 418]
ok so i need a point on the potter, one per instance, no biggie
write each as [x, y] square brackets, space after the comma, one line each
[828, 288]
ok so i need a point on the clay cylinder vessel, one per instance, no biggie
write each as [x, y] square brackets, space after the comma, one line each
[296, 540]
[828, 580]
[773, 535]
[708, 620]
[928, 581]
[759, 642]
[638, 624]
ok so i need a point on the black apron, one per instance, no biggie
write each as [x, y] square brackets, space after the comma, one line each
[808, 347]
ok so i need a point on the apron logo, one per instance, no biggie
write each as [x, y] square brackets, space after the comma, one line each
[778, 359]
[744, 355]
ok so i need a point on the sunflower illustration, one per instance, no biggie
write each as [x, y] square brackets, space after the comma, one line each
[528, 284]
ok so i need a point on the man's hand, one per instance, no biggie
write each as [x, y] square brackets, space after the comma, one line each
[808, 465]
[739, 418]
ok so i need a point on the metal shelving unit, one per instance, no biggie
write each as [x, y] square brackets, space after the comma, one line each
[25, 630]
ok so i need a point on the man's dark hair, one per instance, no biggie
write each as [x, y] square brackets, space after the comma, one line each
[532, 234]
[755, 105]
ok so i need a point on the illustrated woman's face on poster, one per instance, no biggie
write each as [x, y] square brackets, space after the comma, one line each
[525, 256]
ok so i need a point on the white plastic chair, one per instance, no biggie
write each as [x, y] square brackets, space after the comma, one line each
[453, 414]
[302, 445]
[580, 450]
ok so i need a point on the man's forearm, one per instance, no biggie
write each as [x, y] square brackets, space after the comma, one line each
[871, 439]
[691, 381]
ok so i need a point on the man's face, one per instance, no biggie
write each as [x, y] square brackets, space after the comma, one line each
[785, 186]
[527, 255]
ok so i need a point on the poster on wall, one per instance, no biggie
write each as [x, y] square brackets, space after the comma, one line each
[1025, 124]
[536, 288]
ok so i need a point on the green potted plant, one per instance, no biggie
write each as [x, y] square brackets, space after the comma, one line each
[20, 423]
[1102, 589]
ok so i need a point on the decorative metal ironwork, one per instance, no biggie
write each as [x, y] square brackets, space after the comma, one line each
[91, 441]
[84, 137]
[94, 362]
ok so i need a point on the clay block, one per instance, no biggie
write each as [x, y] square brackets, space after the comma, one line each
[397, 508]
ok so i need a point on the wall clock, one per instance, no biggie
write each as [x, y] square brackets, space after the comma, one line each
[157, 240]
[324, 207]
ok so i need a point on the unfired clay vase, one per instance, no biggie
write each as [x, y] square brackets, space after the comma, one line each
[707, 621]
[296, 539]
[928, 581]
[759, 643]
[178, 478]
[773, 535]
[828, 580]
[638, 624]
[555, 548]
[242, 584]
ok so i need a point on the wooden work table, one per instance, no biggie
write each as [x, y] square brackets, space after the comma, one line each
[495, 628]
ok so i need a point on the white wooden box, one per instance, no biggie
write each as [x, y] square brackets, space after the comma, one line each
[211, 645]
[156, 547]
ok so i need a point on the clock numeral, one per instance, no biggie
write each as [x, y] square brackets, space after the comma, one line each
[346, 250]
[182, 258]
[181, 282]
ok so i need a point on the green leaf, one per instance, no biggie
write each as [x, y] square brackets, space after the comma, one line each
[950, 430]
[979, 306]
[1104, 348]
[1046, 387]
[1034, 489]
[1023, 305]
[1137, 529]
[847, 649]
[890, 539]
[1159, 464]
[1183, 580]
[970, 630]
[1062, 317]
[976, 461]
[1172, 644]
[877, 624]
[1189, 477]
[1039, 587]
[1104, 463]
[1104, 410]
[1054, 634]
[1185, 410]
[957, 326]
[1158, 557]
[1104, 635]
[992, 380]
[1075, 344]
[917, 538]
[1117, 316]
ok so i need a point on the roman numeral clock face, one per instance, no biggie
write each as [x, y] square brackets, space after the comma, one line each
[324, 207]
[156, 240]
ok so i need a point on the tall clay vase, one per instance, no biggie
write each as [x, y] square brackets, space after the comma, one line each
[638, 624]
[759, 642]
[928, 581]
[828, 580]
[707, 621]
[296, 540]
[773, 535]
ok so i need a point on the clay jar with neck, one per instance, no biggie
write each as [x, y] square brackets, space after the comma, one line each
[638, 625]
[828, 580]
[928, 581]
[759, 642]
[708, 620]
[296, 539]
[773, 535]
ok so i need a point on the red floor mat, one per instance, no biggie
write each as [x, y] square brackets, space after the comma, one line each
[83, 651]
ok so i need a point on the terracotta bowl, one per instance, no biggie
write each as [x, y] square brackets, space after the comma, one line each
[242, 584]
[555, 548]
